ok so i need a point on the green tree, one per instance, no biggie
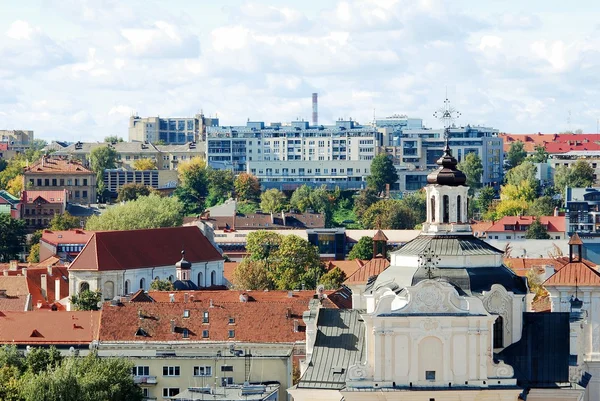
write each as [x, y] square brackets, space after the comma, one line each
[561, 179]
[247, 187]
[113, 139]
[417, 203]
[193, 187]
[161, 285]
[102, 158]
[473, 169]
[322, 201]
[516, 154]
[252, 275]
[145, 212]
[220, 186]
[579, 175]
[144, 164]
[507, 207]
[263, 244]
[525, 191]
[10, 385]
[11, 356]
[132, 191]
[35, 237]
[363, 249]
[12, 171]
[39, 359]
[65, 221]
[382, 172]
[525, 171]
[485, 198]
[333, 279]
[3, 164]
[388, 214]
[12, 237]
[272, 201]
[34, 253]
[300, 199]
[540, 155]
[298, 264]
[86, 300]
[542, 206]
[364, 200]
[537, 231]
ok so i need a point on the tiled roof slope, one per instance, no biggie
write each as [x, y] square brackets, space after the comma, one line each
[349, 267]
[553, 143]
[259, 322]
[66, 237]
[372, 268]
[339, 344]
[57, 165]
[574, 273]
[554, 223]
[49, 196]
[46, 327]
[134, 249]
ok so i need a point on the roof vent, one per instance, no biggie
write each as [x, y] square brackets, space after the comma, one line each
[3, 293]
[211, 303]
[171, 298]
[172, 326]
[243, 297]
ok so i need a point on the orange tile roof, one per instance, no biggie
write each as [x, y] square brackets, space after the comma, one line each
[57, 166]
[574, 273]
[522, 265]
[47, 327]
[229, 269]
[28, 197]
[16, 303]
[14, 285]
[372, 268]
[347, 266]
[379, 236]
[134, 249]
[258, 322]
[555, 223]
[66, 237]
[553, 143]
[481, 227]
[575, 240]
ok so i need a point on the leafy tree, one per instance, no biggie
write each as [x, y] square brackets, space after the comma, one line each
[388, 214]
[382, 172]
[262, 244]
[34, 253]
[365, 198]
[3, 164]
[485, 198]
[537, 231]
[298, 264]
[322, 201]
[38, 144]
[507, 207]
[272, 201]
[144, 164]
[333, 279]
[10, 385]
[561, 179]
[416, 202]
[525, 171]
[220, 186]
[363, 249]
[133, 191]
[40, 359]
[35, 237]
[524, 192]
[65, 221]
[15, 186]
[581, 175]
[252, 275]
[247, 187]
[516, 154]
[12, 237]
[145, 212]
[300, 199]
[113, 139]
[161, 285]
[14, 168]
[86, 300]
[11, 356]
[473, 169]
[540, 155]
[542, 206]
[193, 186]
[102, 158]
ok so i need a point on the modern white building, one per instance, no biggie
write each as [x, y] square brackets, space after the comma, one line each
[170, 130]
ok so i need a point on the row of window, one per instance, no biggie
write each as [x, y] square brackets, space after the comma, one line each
[33, 211]
[58, 182]
[172, 371]
[302, 171]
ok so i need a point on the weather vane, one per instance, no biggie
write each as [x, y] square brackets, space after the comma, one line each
[429, 261]
[447, 115]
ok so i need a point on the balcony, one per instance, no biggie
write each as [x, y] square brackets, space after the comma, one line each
[144, 379]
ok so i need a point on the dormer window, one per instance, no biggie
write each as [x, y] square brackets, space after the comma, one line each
[231, 320]
[205, 317]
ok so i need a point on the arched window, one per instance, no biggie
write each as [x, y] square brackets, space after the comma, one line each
[458, 209]
[126, 287]
[446, 205]
[157, 278]
[171, 278]
[499, 332]
[433, 209]
[200, 280]
[213, 278]
[142, 283]
[84, 286]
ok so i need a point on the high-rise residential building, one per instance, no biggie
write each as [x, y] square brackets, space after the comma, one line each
[169, 130]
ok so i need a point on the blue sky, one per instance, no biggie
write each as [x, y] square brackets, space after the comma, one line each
[76, 69]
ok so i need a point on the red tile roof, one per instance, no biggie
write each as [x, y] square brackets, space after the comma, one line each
[575, 240]
[372, 268]
[480, 228]
[229, 269]
[47, 327]
[66, 237]
[58, 166]
[575, 273]
[29, 197]
[347, 266]
[258, 322]
[135, 249]
[553, 143]
[522, 265]
[555, 224]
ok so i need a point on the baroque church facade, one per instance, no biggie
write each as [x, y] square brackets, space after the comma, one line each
[447, 320]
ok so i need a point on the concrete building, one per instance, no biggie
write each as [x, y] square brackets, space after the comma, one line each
[170, 130]
[157, 179]
[39, 207]
[16, 140]
[592, 157]
[57, 174]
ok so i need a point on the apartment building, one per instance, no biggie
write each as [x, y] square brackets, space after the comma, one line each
[57, 174]
[567, 159]
[115, 179]
[39, 207]
[170, 130]
[16, 140]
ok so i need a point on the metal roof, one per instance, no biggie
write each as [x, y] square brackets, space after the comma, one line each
[339, 344]
[448, 245]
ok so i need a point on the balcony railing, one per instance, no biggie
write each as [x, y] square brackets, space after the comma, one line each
[144, 379]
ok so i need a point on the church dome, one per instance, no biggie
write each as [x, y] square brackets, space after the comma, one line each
[447, 173]
[183, 264]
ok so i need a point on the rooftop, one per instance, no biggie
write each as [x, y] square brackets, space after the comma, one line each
[29, 197]
[66, 237]
[57, 165]
[448, 245]
[554, 224]
[371, 268]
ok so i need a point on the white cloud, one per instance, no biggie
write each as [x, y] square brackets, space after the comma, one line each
[490, 41]
[162, 40]
[20, 30]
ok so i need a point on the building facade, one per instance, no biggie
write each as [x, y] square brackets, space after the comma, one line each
[169, 130]
[39, 207]
[57, 174]
[115, 179]
[16, 140]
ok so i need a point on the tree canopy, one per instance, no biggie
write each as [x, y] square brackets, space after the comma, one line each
[161, 285]
[364, 200]
[193, 184]
[485, 198]
[389, 214]
[537, 231]
[300, 199]
[363, 249]
[102, 158]
[516, 154]
[12, 237]
[473, 169]
[333, 279]
[65, 221]
[145, 212]
[272, 201]
[113, 139]
[251, 275]
[220, 186]
[540, 155]
[133, 191]
[542, 206]
[86, 300]
[579, 175]
[144, 164]
[383, 172]
[247, 187]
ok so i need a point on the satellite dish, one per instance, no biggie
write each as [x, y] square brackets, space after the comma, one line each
[321, 291]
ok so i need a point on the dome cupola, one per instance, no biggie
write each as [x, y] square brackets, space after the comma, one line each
[447, 173]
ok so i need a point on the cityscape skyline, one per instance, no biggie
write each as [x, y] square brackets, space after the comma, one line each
[78, 70]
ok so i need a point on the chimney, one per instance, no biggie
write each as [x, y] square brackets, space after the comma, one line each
[49, 267]
[172, 298]
[295, 325]
[2, 293]
[211, 304]
[13, 264]
[315, 109]
[57, 295]
[244, 297]
[556, 212]
[5, 272]
[283, 217]
[172, 326]
[44, 285]
[185, 297]
[24, 271]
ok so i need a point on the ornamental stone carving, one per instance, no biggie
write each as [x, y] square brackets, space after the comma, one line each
[356, 372]
[498, 301]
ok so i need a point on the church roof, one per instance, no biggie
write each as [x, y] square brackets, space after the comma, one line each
[371, 268]
[380, 236]
[448, 245]
[574, 273]
[447, 173]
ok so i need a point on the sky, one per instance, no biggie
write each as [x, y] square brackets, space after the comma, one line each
[77, 69]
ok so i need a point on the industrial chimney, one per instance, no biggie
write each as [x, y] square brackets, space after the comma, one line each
[315, 114]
